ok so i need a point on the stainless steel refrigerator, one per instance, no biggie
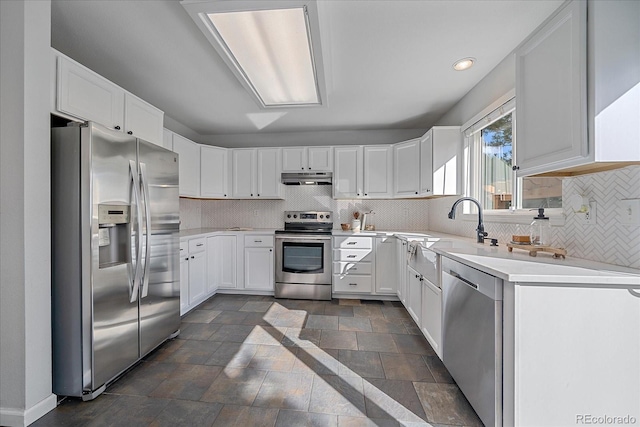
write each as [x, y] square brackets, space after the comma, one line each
[115, 270]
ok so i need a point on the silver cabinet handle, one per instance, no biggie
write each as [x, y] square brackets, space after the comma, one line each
[351, 243]
[199, 244]
[351, 256]
[353, 284]
[257, 241]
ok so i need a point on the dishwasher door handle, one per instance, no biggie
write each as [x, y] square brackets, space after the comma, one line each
[457, 276]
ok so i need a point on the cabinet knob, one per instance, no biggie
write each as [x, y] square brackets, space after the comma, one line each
[309, 168]
[192, 256]
[130, 132]
[116, 127]
[365, 194]
[258, 195]
[302, 168]
[270, 250]
[186, 259]
[251, 194]
[515, 168]
[416, 192]
[225, 195]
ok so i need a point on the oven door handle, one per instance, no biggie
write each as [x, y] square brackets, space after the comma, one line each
[301, 239]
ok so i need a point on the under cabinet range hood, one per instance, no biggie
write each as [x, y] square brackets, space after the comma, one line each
[307, 178]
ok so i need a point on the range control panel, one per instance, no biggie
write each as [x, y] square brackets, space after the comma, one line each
[307, 216]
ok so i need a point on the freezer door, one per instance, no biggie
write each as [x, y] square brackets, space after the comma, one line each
[114, 244]
[160, 288]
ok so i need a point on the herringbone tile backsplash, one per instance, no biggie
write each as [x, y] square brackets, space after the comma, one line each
[607, 241]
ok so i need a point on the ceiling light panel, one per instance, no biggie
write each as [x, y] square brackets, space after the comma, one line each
[268, 46]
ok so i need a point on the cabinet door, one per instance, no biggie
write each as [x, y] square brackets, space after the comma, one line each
[184, 284]
[294, 159]
[142, 119]
[386, 265]
[258, 268]
[213, 172]
[407, 168]
[401, 273]
[167, 139]
[414, 297]
[244, 172]
[432, 315]
[378, 174]
[347, 175]
[221, 264]
[320, 159]
[446, 147]
[197, 278]
[426, 164]
[551, 91]
[269, 170]
[88, 96]
[189, 174]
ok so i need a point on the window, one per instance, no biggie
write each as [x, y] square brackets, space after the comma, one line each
[492, 145]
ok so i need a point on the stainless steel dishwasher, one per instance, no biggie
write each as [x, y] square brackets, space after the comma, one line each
[472, 336]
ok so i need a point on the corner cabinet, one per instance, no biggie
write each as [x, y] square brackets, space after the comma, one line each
[189, 161]
[406, 163]
[85, 95]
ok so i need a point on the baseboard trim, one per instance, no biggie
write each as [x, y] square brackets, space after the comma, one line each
[21, 418]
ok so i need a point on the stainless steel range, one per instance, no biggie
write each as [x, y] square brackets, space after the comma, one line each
[303, 256]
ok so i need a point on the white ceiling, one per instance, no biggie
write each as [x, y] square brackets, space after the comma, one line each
[387, 63]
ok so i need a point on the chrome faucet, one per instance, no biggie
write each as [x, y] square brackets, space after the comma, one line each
[480, 233]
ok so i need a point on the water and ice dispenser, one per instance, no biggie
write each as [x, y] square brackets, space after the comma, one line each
[114, 235]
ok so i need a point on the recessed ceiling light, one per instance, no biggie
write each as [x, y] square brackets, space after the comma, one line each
[464, 64]
[274, 52]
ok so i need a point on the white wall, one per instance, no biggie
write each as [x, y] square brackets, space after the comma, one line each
[25, 254]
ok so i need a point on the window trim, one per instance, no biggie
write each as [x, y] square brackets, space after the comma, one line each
[472, 184]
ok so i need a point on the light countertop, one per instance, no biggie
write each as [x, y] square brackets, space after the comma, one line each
[517, 266]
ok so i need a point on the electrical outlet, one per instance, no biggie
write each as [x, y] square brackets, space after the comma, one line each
[630, 211]
[588, 217]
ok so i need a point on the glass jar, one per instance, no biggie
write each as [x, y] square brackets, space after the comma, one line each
[540, 230]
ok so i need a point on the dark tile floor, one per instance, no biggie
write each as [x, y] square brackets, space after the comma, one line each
[258, 361]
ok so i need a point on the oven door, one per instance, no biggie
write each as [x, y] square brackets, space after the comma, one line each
[303, 259]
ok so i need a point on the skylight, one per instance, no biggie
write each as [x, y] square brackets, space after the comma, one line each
[271, 51]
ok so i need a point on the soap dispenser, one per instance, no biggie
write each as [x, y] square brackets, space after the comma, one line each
[540, 230]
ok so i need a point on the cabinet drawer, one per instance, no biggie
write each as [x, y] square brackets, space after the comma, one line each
[352, 283]
[353, 255]
[352, 242]
[351, 268]
[184, 248]
[196, 245]
[425, 262]
[258, 241]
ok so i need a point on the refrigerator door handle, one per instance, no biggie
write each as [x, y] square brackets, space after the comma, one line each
[147, 234]
[135, 285]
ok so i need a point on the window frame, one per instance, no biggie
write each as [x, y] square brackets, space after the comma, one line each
[472, 170]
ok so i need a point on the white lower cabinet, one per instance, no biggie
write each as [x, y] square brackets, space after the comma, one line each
[414, 295]
[387, 266]
[193, 273]
[221, 262]
[259, 262]
[258, 269]
[353, 266]
[431, 317]
[401, 246]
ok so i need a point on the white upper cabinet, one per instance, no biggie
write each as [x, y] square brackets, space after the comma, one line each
[446, 150]
[244, 172]
[83, 94]
[551, 94]
[214, 172]
[268, 183]
[307, 159]
[189, 174]
[426, 164]
[142, 119]
[347, 174]
[256, 173]
[406, 163]
[88, 96]
[378, 171]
